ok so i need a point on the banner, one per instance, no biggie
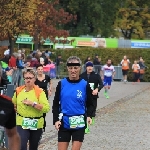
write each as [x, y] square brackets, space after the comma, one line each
[140, 44]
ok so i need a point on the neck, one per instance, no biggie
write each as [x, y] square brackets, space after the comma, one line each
[88, 72]
[40, 75]
[29, 88]
[75, 78]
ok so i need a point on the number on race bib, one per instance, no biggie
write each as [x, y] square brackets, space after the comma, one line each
[76, 121]
[29, 123]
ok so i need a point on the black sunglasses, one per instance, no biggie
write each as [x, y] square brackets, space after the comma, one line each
[28, 78]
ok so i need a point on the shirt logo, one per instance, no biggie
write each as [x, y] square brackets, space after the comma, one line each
[79, 94]
[2, 112]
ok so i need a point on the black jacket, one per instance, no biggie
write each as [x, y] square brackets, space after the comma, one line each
[93, 78]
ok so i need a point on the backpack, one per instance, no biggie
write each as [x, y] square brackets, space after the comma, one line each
[36, 89]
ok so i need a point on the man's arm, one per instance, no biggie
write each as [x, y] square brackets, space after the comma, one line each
[13, 139]
[89, 102]
[11, 131]
[100, 83]
[56, 105]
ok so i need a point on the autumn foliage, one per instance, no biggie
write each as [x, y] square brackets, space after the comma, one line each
[39, 18]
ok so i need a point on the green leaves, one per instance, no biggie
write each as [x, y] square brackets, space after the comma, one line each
[133, 19]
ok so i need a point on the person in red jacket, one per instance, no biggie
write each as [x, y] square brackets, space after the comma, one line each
[12, 61]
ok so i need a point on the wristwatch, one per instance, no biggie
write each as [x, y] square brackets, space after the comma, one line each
[34, 104]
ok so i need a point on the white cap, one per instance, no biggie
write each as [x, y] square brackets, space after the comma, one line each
[7, 52]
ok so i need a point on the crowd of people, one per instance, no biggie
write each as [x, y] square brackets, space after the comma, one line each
[138, 67]
[75, 100]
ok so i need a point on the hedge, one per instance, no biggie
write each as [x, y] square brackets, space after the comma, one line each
[115, 55]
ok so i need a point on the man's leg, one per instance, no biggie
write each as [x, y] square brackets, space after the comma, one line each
[94, 113]
[63, 139]
[109, 80]
[77, 138]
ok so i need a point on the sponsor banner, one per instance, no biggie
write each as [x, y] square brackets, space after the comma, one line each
[140, 44]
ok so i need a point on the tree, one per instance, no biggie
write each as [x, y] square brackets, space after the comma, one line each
[16, 17]
[49, 21]
[39, 18]
[133, 19]
[88, 14]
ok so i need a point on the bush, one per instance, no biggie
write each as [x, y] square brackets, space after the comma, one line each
[115, 55]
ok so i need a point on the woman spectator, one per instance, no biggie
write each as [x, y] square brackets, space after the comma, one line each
[30, 102]
[142, 69]
[87, 59]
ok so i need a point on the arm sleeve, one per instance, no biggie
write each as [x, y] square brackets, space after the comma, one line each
[121, 62]
[89, 102]
[100, 83]
[14, 99]
[113, 69]
[43, 100]
[56, 104]
[11, 123]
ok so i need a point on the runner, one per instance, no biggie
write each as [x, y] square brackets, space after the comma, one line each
[8, 120]
[72, 107]
[136, 71]
[125, 68]
[31, 103]
[96, 85]
[107, 75]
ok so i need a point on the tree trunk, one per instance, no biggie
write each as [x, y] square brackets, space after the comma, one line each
[11, 45]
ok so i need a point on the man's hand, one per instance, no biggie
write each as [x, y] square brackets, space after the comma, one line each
[95, 91]
[113, 76]
[57, 125]
[89, 120]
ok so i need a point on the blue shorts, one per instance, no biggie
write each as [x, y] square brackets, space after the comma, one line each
[107, 81]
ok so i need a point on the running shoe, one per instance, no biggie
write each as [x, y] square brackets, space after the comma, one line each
[107, 96]
[87, 130]
[105, 93]
[93, 120]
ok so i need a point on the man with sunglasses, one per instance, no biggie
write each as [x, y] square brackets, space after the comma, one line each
[72, 106]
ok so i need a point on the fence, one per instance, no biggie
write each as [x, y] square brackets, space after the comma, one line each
[57, 72]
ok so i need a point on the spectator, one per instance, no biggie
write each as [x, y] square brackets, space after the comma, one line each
[19, 62]
[58, 63]
[87, 59]
[12, 61]
[97, 64]
[142, 69]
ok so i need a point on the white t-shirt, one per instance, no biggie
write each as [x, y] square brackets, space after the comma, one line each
[108, 70]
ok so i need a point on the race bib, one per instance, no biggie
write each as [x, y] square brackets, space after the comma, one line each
[125, 64]
[28, 123]
[92, 86]
[77, 121]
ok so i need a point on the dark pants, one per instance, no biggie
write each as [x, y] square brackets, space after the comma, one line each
[95, 106]
[33, 136]
[135, 76]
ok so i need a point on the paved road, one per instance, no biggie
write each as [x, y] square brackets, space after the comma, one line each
[118, 120]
